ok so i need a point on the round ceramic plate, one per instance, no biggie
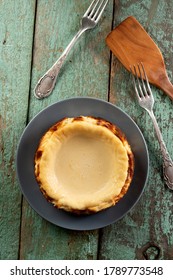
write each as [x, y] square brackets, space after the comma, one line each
[29, 142]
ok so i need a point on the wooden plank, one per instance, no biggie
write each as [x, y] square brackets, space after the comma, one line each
[145, 232]
[16, 33]
[85, 73]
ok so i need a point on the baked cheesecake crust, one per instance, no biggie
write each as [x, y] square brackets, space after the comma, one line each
[84, 164]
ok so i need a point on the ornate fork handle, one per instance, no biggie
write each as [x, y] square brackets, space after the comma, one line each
[47, 82]
[90, 19]
[167, 162]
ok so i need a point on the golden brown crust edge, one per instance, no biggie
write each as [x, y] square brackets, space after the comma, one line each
[116, 131]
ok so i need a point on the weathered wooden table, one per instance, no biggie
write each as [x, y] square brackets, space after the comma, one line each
[33, 34]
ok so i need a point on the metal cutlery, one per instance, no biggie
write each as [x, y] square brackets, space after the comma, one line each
[146, 101]
[90, 19]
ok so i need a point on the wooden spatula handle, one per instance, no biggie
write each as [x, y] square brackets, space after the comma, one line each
[167, 87]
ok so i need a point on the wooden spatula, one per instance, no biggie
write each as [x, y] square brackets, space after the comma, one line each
[131, 44]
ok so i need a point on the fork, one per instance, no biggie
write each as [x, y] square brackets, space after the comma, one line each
[146, 101]
[90, 19]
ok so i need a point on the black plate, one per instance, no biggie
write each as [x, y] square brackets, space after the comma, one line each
[30, 140]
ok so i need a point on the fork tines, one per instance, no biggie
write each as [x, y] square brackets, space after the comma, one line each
[96, 9]
[143, 86]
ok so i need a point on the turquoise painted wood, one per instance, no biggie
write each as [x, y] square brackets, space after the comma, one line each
[32, 37]
[80, 76]
[16, 35]
[146, 232]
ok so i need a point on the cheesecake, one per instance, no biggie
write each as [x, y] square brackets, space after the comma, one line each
[84, 164]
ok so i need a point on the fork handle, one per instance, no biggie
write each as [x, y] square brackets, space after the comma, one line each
[47, 82]
[167, 162]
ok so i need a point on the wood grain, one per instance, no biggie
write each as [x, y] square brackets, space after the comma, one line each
[145, 233]
[131, 44]
[90, 70]
[16, 32]
[81, 76]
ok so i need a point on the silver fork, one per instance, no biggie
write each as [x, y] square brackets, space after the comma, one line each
[91, 17]
[146, 101]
